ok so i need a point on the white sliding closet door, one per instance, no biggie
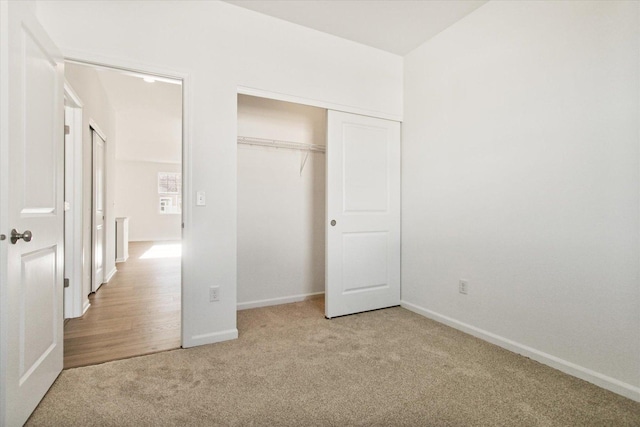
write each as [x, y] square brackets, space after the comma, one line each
[363, 214]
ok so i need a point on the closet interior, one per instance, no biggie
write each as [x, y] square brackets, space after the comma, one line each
[281, 201]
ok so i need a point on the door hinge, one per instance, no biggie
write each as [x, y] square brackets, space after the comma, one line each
[66, 282]
[67, 130]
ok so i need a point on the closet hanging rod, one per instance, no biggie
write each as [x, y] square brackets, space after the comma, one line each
[248, 140]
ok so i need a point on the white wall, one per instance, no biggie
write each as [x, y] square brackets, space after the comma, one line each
[150, 135]
[96, 107]
[149, 140]
[521, 175]
[137, 198]
[281, 212]
[219, 47]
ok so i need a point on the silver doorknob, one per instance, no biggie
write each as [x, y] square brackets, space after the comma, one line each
[15, 236]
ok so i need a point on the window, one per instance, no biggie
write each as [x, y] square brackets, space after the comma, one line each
[170, 192]
[169, 183]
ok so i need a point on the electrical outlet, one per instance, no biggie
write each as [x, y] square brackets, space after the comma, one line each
[463, 286]
[214, 293]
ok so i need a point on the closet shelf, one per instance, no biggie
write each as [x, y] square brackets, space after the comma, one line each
[248, 140]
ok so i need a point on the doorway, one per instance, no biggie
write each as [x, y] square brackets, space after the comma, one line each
[281, 202]
[318, 207]
[132, 166]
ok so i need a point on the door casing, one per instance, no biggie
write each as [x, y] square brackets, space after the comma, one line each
[98, 206]
[75, 303]
[160, 74]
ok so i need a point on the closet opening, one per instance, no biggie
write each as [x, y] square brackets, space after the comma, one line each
[281, 203]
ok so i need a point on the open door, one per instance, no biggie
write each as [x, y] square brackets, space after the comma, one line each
[31, 192]
[98, 235]
[363, 214]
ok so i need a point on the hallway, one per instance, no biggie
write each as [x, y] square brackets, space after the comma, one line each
[136, 313]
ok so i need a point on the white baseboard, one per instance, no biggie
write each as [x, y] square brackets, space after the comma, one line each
[85, 307]
[601, 380]
[229, 334]
[277, 301]
[109, 276]
[122, 259]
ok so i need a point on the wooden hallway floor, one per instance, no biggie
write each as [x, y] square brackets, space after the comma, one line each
[136, 313]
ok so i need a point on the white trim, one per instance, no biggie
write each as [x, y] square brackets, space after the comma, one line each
[130, 73]
[74, 268]
[110, 275]
[4, 199]
[212, 338]
[72, 95]
[244, 90]
[96, 282]
[277, 301]
[85, 307]
[122, 259]
[187, 200]
[601, 380]
[99, 131]
[130, 67]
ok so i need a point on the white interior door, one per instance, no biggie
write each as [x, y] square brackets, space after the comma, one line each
[363, 214]
[98, 210]
[32, 153]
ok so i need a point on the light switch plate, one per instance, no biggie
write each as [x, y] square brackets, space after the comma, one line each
[201, 198]
[463, 286]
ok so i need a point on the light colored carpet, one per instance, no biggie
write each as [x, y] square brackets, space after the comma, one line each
[292, 367]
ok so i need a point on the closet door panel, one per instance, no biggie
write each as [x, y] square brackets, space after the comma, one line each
[363, 214]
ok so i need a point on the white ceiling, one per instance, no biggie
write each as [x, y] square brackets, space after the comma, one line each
[396, 26]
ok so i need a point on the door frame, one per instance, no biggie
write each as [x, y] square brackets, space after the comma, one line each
[94, 128]
[75, 303]
[160, 74]
[4, 202]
